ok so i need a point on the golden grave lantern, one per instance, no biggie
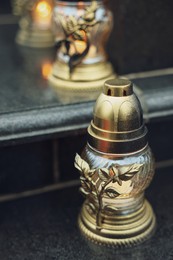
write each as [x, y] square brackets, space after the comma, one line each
[81, 31]
[35, 24]
[116, 167]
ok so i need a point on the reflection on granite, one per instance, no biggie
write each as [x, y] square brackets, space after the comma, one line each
[22, 86]
[45, 227]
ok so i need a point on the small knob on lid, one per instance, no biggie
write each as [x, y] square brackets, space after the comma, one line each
[118, 88]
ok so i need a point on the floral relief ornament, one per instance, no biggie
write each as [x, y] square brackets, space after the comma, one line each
[108, 182]
[77, 29]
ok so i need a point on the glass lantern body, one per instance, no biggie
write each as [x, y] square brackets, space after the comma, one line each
[81, 30]
[127, 188]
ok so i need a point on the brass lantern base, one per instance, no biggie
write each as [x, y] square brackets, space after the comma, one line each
[35, 38]
[119, 230]
[84, 83]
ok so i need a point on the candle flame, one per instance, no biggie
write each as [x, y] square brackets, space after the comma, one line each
[46, 69]
[80, 46]
[43, 9]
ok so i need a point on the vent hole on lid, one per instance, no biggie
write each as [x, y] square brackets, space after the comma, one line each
[109, 92]
[124, 93]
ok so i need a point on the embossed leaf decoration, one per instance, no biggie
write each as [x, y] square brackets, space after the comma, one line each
[76, 58]
[104, 174]
[111, 192]
[110, 210]
[71, 24]
[126, 173]
[83, 191]
[59, 19]
[81, 165]
[94, 193]
[126, 187]
[67, 46]
[92, 207]
[92, 8]
[86, 185]
[79, 35]
[82, 178]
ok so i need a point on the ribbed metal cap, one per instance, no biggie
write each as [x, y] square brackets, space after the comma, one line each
[117, 125]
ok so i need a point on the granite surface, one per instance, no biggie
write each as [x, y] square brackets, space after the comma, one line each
[22, 85]
[45, 227]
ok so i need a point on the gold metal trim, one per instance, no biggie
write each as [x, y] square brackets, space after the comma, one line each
[35, 38]
[83, 72]
[85, 84]
[121, 233]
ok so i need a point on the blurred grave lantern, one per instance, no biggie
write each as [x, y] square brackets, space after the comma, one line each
[35, 23]
[81, 31]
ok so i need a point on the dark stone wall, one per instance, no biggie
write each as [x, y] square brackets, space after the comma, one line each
[5, 6]
[142, 37]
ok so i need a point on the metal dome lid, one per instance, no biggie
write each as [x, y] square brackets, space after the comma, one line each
[117, 125]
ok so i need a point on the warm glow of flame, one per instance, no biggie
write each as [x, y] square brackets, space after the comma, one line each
[80, 5]
[80, 46]
[46, 69]
[43, 9]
